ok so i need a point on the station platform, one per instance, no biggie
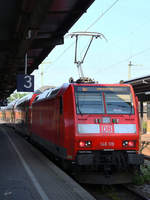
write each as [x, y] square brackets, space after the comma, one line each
[145, 139]
[26, 174]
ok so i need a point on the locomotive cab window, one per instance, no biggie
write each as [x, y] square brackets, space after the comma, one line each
[89, 101]
[105, 99]
[119, 102]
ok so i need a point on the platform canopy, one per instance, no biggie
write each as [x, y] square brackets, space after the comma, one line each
[34, 27]
[141, 87]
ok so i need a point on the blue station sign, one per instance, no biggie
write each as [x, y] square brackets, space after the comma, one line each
[25, 83]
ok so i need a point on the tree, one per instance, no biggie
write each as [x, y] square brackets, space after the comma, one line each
[16, 95]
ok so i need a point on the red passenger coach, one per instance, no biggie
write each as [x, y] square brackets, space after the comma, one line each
[22, 110]
[89, 126]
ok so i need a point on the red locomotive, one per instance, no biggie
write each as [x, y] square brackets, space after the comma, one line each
[89, 127]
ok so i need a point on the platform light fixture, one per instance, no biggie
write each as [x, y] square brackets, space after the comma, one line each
[147, 93]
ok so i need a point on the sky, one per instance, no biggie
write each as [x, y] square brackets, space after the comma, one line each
[126, 26]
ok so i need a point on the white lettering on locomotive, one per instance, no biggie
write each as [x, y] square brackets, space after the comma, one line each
[106, 129]
[110, 144]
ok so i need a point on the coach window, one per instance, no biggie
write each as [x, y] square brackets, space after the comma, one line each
[36, 98]
[54, 92]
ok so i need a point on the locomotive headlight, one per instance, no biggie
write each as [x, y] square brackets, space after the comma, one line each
[85, 143]
[81, 144]
[129, 143]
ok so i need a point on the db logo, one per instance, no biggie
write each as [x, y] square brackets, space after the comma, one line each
[106, 129]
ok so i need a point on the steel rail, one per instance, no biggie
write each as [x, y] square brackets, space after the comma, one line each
[137, 192]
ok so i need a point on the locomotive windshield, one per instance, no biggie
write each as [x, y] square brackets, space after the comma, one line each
[103, 99]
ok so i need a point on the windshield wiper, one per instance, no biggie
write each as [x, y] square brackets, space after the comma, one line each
[123, 106]
[118, 105]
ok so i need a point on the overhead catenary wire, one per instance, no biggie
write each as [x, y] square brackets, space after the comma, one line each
[125, 60]
[93, 23]
[106, 11]
[117, 62]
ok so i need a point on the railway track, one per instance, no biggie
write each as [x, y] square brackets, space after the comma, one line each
[117, 192]
[120, 192]
[144, 194]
